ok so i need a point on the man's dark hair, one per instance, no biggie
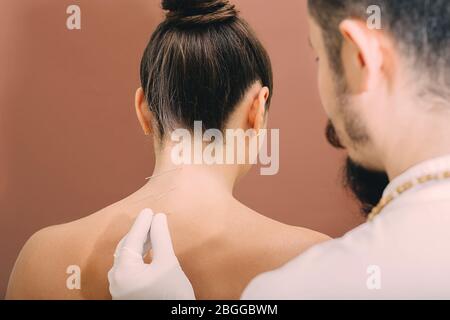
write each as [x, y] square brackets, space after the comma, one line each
[420, 28]
[366, 185]
[199, 63]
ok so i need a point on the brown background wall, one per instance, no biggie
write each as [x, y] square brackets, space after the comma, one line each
[69, 140]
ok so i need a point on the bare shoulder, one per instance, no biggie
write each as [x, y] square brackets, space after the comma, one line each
[36, 273]
[287, 242]
[304, 238]
[281, 233]
[284, 242]
[68, 261]
[312, 235]
[294, 240]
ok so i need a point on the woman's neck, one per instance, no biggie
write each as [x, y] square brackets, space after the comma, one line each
[219, 178]
[195, 176]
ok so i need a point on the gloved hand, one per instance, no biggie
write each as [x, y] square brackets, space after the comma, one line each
[132, 279]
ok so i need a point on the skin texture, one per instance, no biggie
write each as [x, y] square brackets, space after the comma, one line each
[221, 244]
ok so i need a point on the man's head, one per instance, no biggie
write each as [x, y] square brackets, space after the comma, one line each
[371, 80]
[381, 87]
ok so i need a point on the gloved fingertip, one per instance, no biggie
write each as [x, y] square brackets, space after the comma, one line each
[147, 212]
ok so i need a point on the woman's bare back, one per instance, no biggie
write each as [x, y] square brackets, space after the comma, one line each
[221, 247]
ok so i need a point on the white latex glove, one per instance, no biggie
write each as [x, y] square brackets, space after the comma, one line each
[132, 279]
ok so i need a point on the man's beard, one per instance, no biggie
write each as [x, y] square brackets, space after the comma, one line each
[366, 185]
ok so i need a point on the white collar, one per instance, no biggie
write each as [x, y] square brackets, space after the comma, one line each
[433, 166]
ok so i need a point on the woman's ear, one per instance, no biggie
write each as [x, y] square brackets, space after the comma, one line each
[143, 112]
[257, 114]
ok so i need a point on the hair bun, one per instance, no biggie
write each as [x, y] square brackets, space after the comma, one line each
[198, 12]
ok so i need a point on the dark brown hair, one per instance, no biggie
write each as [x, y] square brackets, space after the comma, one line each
[199, 63]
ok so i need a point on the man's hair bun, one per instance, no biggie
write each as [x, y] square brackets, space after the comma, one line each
[198, 12]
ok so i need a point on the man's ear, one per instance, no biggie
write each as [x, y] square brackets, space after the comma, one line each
[257, 112]
[143, 112]
[362, 55]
